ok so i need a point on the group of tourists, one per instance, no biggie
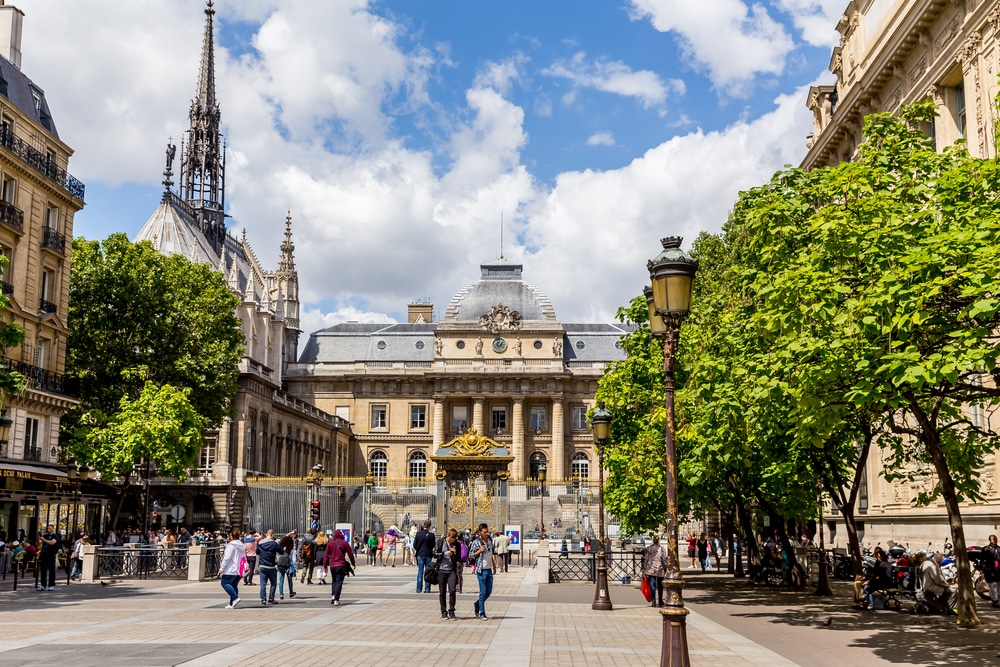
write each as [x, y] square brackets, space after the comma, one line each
[277, 561]
[702, 549]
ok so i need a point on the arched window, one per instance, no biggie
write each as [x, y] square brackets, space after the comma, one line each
[536, 460]
[251, 459]
[418, 465]
[581, 465]
[265, 444]
[378, 463]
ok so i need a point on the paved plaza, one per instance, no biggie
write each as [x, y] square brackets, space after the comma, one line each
[383, 622]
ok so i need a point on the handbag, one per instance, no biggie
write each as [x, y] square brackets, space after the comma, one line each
[431, 573]
[646, 593]
[243, 567]
[284, 560]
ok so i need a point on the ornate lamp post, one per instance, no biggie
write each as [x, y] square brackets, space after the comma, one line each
[600, 423]
[672, 274]
[576, 498]
[77, 475]
[315, 482]
[370, 487]
[541, 498]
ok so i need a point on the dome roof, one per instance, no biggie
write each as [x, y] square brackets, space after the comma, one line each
[500, 284]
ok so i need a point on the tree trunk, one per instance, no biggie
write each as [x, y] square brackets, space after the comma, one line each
[727, 538]
[122, 492]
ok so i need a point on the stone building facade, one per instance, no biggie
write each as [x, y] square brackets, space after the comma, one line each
[894, 52]
[498, 361]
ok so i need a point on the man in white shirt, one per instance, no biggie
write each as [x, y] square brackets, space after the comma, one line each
[501, 545]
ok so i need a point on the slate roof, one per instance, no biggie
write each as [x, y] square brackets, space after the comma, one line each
[21, 91]
[500, 284]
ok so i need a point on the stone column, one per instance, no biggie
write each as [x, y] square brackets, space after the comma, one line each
[542, 560]
[438, 434]
[88, 574]
[558, 464]
[197, 557]
[517, 438]
[477, 414]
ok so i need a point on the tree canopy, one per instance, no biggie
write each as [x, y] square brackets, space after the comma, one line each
[11, 335]
[152, 335]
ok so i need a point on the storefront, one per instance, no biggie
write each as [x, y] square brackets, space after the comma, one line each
[33, 495]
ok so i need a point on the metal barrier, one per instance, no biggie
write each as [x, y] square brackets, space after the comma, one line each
[623, 566]
[213, 561]
[142, 563]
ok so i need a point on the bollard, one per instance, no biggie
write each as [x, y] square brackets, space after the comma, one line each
[88, 573]
[542, 560]
[197, 559]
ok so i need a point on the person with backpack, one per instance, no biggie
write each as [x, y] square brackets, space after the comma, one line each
[990, 558]
[233, 558]
[250, 545]
[322, 540]
[267, 567]
[307, 563]
[450, 562]
[286, 564]
[335, 560]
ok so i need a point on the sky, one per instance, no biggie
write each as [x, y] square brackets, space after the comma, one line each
[413, 141]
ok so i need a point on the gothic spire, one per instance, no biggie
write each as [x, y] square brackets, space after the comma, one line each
[202, 155]
[286, 266]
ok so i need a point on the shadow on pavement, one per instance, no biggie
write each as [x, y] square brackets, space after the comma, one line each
[893, 636]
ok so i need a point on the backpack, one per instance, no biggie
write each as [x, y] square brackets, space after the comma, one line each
[307, 550]
[284, 560]
[464, 551]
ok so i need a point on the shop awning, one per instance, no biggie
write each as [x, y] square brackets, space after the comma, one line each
[24, 471]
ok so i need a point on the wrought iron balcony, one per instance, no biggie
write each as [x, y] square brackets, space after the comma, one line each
[33, 454]
[41, 163]
[11, 216]
[46, 306]
[8, 289]
[39, 378]
[53, 239]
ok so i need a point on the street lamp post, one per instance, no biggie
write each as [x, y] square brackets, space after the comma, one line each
[77, 475]
[370, 486]
[669, 301]
[541, 498]
[600, 422]
[576, 499]
[315, 482]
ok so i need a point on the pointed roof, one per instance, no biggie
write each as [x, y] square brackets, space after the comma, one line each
[172, 231]
[286, 265]
[205, 95]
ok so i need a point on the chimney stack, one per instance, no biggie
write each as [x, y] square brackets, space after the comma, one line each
[10, 33]
[422, 313]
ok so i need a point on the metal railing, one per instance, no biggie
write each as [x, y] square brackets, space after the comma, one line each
[41, 162]
[53, 239]
[143, 563]
[12, 216]
[39, 378]
[8, 289]
[47, 306]
[33, 454]
[623, 566]
[213, 561]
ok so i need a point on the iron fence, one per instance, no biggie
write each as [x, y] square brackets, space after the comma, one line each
[142, 563]
[213, 561]
[624, 566]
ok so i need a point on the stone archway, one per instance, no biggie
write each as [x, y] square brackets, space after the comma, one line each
[472, 473]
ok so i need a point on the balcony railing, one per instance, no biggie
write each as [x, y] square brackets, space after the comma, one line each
[53, 239]
[33, 454]
[39, 378]
[41, 162]
[8, 289]
[11, 216]
[46, 306]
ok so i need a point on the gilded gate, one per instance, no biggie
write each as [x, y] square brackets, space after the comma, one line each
[472, 473]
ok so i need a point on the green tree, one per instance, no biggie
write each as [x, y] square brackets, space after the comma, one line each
[150, 333]
[11, 335]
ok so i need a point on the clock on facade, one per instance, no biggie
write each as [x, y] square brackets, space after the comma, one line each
[499, 345]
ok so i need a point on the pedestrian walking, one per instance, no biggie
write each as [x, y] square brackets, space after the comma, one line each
[250, 546]
[229, 569]
[501, 545]
[267, 567]
[692, 550]
[482, 550]
[423, 548]
[717, 547]
[49, 548]
[372, 548]
[322, 540]
[449, 556]
[286, 564]
[990, 559]
[390, 540]
[307, 564]
[339, 562]
[380, 549]
[702, 545]
[654, 568]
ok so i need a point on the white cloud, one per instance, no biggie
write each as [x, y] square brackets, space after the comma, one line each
[615, 77]
[730, 40]
[376, 222]
[314, 319]
[816, 20]
[601, 139]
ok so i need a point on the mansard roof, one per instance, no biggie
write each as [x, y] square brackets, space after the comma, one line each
[500, 284]
[25, 95]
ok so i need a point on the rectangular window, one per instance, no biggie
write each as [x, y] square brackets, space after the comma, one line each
[459, 418]
[499, 421]
[379, 416]
[342, 411]
[207, 456]
[960, 111]
[537, 420]
[9, 190]
[42, 353]
[418, 417]
[32, 452]
[52, 218]
[47, 287]
[579, 418]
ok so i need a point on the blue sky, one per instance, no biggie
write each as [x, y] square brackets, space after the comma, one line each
[397, 132]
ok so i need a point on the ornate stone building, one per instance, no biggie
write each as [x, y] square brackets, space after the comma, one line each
[894, 52]
[271, 432]
[498, 362]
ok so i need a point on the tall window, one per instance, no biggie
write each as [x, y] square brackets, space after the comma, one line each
[418, 465]
[499, 421]
[208, 453]
[960, 111]
[251, 440]
[379, 466]
[379, 416]
[538, 419]
[42, 353]
[52, 218]
[534, 462]
[9, 189]
[418, 417]
[579, 418]
[265, 441]
[459, 418]
[581, 465]
[31, 449]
